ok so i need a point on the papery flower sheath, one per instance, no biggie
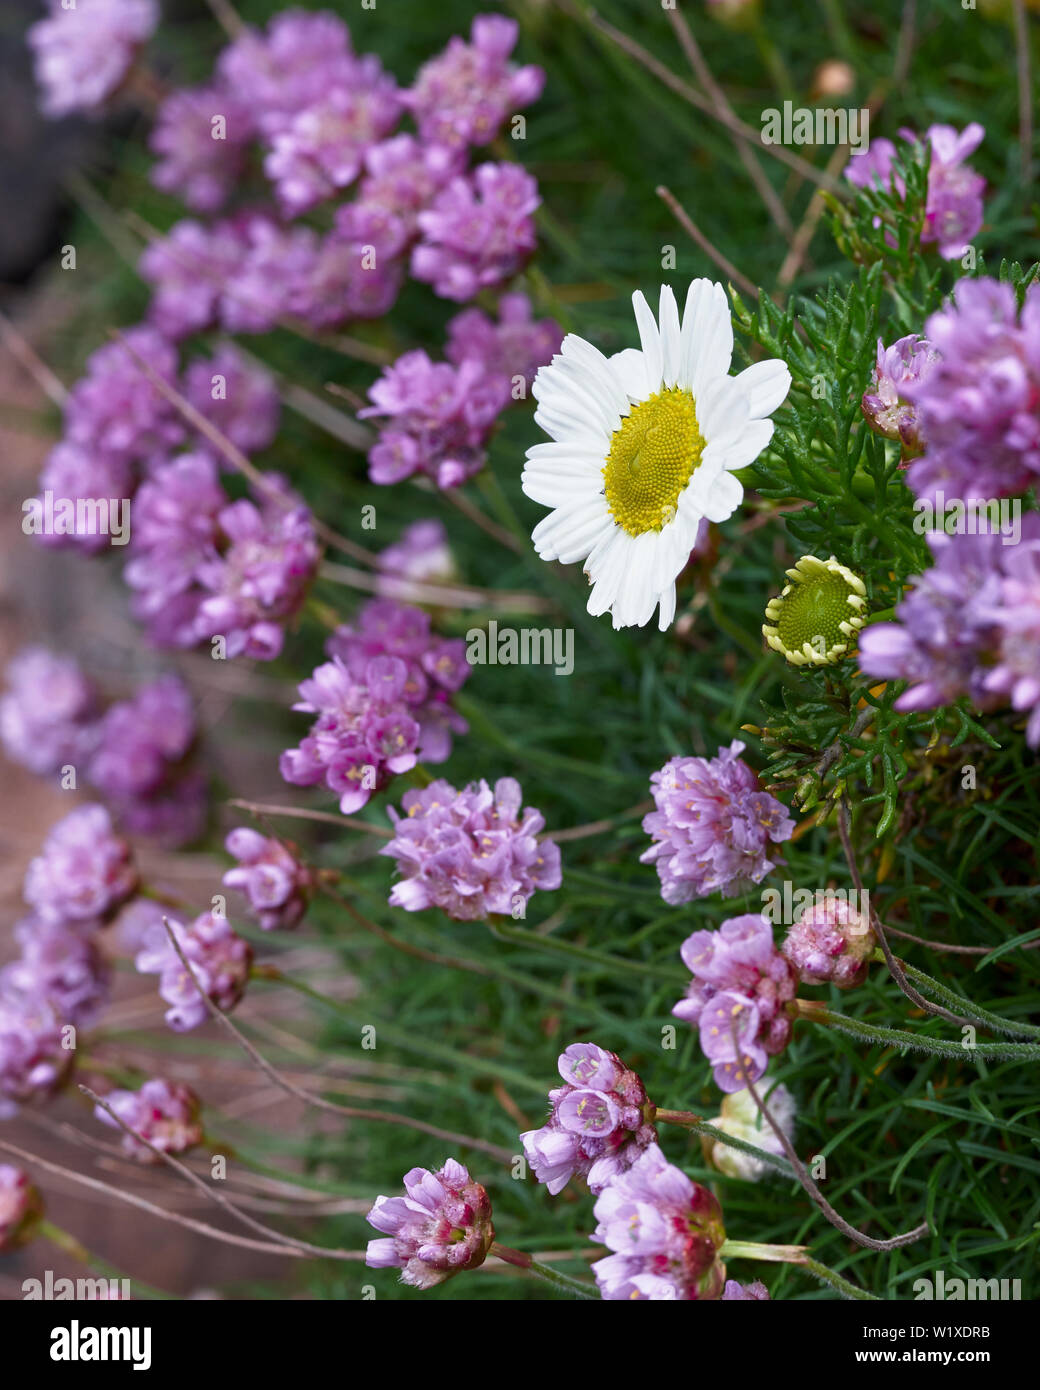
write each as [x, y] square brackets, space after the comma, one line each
[644, 447]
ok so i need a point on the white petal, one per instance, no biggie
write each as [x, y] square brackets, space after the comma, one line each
[666, 615]
[722, 409]
[707, 336]
[739, 452]
[767, 384]
[670, 336]
[570, 532]
[554, 487]
[629, 368]
[724, 497]
[650, 338]
[565, 453]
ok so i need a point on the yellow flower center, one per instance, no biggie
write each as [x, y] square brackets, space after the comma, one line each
[652, 457]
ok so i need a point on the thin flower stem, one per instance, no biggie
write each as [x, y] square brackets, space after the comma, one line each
[708, 247]
[596, 827]
[755, 1250]
[921, 1042]
[688, 1120]
[702, 103]
[472, 512]
[132, 1199]
[522, 937]
[843, 1286]
[814, 1193]
[706, 78]
[214, 1195]
[21, 350]
[318, 1102]
[990, 1020]
[895, 969]
[520, 1260]
[258, 808]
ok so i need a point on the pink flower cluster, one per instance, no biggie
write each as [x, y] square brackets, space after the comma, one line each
[383, 702]
[202, 566]
[276, 885]
[85, 51]
[712, 827]
[598, 1124]
[441, 1226]
[953, 206]
[665, 1232]
[469, 852]
[830, 943]
[119, 427]
[440, 415]
[219, 959]
[325, 120]
[737, 998]
[887, 407]
[165, 1113]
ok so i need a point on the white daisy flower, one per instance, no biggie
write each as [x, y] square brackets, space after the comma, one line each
[644, 447]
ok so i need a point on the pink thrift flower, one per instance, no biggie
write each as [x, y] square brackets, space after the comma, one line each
[84, 871]
[240, 399]
[259, 581]
[830, 943]
[321, 148]
[737, 998]
[84, 52]
[953, 201]
[279, 72]
[218, 957]
[422, 555]
[201, 136]
[441, 1226]
[46, 712]
[438, 418]
[435, 667]
[363, 735]
[33, 1061]
[165, 1113]
[464, 95]
[665, 1231]
[478, 232]
[116, 410]
[713, 826]
[276, 885]
[80, 473]
[886, 407]
[470, 853]
[598, 1123]
[61, 964]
